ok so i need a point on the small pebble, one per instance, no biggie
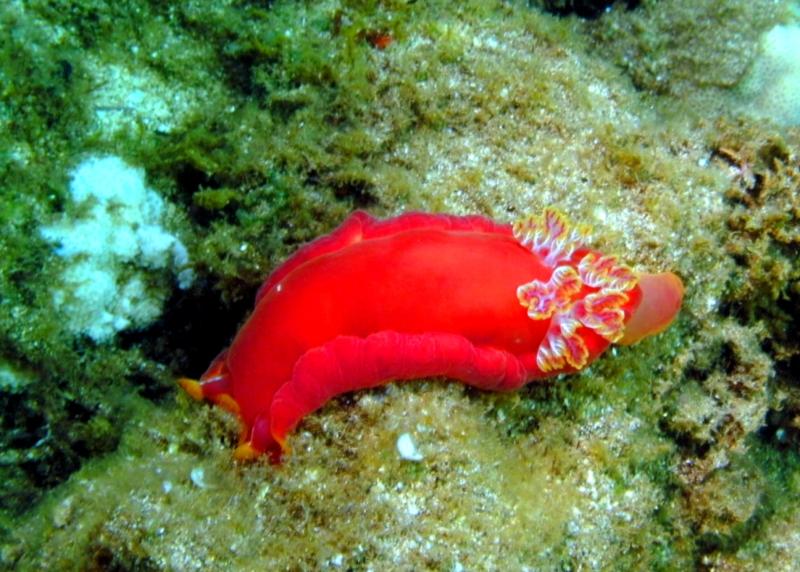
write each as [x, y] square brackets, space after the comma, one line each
[198, 476]
[407, 448]
[62, 514]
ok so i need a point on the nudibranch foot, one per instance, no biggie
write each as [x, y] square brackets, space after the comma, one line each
[245, 451]
[259, 440]
[192, 387]
[349, 363]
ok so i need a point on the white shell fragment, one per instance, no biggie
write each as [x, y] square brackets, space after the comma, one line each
[408, 448]
[198, 477]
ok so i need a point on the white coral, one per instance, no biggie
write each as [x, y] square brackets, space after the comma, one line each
[773, 85]
[111, 248]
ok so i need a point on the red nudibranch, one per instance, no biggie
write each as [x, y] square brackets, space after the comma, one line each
[492, 305]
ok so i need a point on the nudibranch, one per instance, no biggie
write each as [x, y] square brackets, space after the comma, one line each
[491, 305]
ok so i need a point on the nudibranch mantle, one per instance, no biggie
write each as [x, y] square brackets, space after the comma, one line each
[418, 295]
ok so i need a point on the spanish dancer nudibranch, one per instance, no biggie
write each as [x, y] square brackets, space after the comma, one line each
[491, 305]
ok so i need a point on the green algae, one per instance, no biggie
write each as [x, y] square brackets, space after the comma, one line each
[288, 118]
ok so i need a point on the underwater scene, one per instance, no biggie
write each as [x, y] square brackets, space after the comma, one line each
[400, 285]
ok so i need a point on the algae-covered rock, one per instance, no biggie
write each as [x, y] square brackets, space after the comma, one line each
[262, 126]
[682, 46]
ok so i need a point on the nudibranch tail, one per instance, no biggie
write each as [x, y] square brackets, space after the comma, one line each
[587, 294]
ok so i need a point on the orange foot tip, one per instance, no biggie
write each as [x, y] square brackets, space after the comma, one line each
[192, 387]
[246, 452]
[227, 402]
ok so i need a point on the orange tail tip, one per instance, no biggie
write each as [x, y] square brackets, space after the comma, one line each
[246, 452]
[662, 295]
[191, 386]
[282, 449]
[227, 402]
[259, 440]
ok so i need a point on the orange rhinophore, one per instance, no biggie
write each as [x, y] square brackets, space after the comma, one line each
[492, 305]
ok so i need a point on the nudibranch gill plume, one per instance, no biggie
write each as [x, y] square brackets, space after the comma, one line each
[491, 305]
